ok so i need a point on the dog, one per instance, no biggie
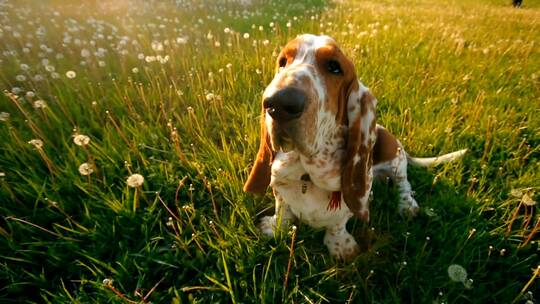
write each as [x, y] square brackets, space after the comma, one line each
[320, 145]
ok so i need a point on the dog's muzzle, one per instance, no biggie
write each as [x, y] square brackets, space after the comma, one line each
[285, 104]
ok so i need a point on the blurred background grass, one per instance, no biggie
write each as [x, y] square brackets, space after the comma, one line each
[171, 90]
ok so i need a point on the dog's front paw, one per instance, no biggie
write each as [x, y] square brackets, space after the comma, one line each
[408, 206]
[267, 225]
[342, 246]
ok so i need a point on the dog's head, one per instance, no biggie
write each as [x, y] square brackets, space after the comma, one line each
[315, 95]
[313, 79]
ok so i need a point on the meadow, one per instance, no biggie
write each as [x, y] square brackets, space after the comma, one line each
[127, 129]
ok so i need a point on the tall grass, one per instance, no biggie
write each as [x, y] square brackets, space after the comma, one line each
[171, 91]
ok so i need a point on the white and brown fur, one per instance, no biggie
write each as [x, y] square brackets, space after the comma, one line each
[335, 141]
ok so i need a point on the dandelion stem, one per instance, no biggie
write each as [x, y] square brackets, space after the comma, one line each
[40, 228]
[291, 257]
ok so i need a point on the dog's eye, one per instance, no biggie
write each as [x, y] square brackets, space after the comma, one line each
[334, 67]
[282, 62]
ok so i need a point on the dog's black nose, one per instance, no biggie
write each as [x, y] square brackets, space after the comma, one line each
[286, 104]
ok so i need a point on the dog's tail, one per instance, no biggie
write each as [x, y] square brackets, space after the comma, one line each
[434, 161]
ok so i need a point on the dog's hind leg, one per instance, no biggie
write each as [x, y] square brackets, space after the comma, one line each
[407, 204]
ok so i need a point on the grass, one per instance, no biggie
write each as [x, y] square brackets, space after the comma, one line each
[448, 74]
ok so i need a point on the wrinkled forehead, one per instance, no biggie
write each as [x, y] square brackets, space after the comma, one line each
[310, 49]
[305, 47]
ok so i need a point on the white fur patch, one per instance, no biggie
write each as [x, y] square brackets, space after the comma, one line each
[365, 124]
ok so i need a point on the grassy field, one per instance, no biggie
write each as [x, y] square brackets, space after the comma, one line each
[100, 91]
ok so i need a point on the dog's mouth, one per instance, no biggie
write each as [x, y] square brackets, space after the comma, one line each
[281, 139]
[288, 137]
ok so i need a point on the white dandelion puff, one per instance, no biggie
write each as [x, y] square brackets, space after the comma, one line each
[516, 193]
[527, 200]
[71, 74]
[135, 180]
[85, 53]
[210, 96]
[81, 140]
[181, 40]
[40, 104]
[38, 143]
[457, 273]
[246, 35]
[85, 169]
[4, 116]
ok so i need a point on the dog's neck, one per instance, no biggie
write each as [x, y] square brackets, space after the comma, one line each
[324, 166]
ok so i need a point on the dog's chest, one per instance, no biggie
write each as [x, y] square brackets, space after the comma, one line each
[306, 201]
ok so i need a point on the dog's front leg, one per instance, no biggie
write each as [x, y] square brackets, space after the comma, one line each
[269, 224]
[340, 242]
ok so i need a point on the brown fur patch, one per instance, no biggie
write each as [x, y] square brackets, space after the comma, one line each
[356, 179]
[338, 87]
[259, 177]
[386, 146]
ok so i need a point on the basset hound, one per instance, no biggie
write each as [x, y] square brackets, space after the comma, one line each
[320, 145]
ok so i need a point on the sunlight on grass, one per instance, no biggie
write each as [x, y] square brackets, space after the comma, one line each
[128, 128]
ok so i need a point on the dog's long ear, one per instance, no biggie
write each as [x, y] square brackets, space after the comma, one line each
[357, 174]
[259, 177]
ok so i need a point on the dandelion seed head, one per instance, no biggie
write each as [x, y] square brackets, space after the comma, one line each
[37, 143]
[81, 140]
[85, 53]
[527, 200]
[71, 74]
[85, 169]
[4, 116]
[39, 104]
[135, 180]
[107, 282]
[457, 273]
[16, 90]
